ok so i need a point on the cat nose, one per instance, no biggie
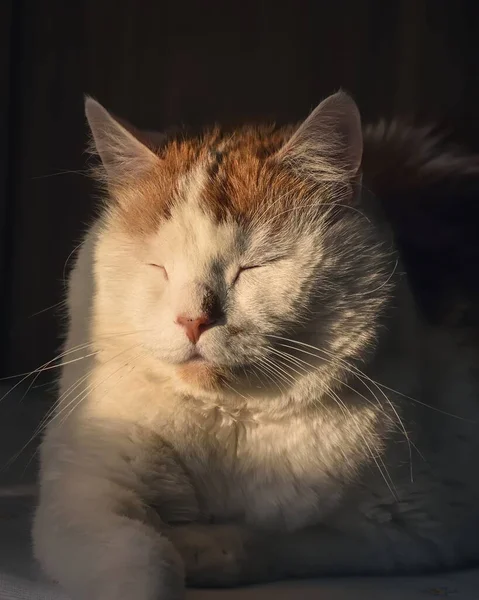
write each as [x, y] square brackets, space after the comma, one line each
[195, 326]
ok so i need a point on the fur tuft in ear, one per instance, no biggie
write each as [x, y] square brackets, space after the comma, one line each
[328, 145]
[124, 156]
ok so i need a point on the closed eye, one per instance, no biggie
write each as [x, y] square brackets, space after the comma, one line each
[245, 268]
[161, 268]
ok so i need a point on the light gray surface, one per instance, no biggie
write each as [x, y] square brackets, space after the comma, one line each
[21, 580]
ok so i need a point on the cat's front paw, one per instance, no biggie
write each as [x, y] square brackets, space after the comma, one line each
[213, 555]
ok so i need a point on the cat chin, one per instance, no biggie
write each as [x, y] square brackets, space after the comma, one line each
[210, 381]
[202, 375]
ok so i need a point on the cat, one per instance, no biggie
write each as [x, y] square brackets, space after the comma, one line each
[250, 390]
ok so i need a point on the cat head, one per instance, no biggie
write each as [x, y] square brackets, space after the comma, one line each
[244, 261]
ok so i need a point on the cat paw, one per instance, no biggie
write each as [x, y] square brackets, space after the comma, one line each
[213, 555]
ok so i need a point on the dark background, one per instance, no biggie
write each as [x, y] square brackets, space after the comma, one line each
[191, 62]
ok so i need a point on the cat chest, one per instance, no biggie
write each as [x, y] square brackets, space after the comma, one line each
[265, 477]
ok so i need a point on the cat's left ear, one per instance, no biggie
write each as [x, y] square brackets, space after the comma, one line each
[123, 155]
[328, 145]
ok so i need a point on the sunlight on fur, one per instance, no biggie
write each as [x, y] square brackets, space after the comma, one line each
[248, 390]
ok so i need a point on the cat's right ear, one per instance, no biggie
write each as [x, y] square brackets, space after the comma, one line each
[124, 157]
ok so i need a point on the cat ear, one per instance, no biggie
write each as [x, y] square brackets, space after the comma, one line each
[123, 155]
[328, 145]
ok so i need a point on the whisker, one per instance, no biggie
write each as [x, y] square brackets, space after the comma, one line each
[67, 352]
[376, 383]
[284, 360]
[384, 283]
[66, 263]
[65, 172]
[273, 376]
[39, 312]
[59, 401]
[399, 424]
[236, 391]
[46, 421]
[280, 373]
[260, 368]
[89, 390]
[39, 370]
[76, 405]
[385, 475]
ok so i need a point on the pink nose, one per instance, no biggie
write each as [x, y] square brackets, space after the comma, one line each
[195, 327]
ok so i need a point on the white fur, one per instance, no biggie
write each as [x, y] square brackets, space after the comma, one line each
[291, 468]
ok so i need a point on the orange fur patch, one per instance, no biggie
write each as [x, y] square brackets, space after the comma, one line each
[244, 179]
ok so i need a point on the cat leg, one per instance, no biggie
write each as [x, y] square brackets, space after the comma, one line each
[228, 555]
[90, 535]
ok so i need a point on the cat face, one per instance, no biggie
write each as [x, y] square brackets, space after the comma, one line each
[232, 257]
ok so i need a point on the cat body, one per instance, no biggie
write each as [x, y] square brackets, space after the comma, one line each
[249, 391]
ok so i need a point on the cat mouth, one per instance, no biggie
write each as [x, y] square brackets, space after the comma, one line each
[195, 358]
